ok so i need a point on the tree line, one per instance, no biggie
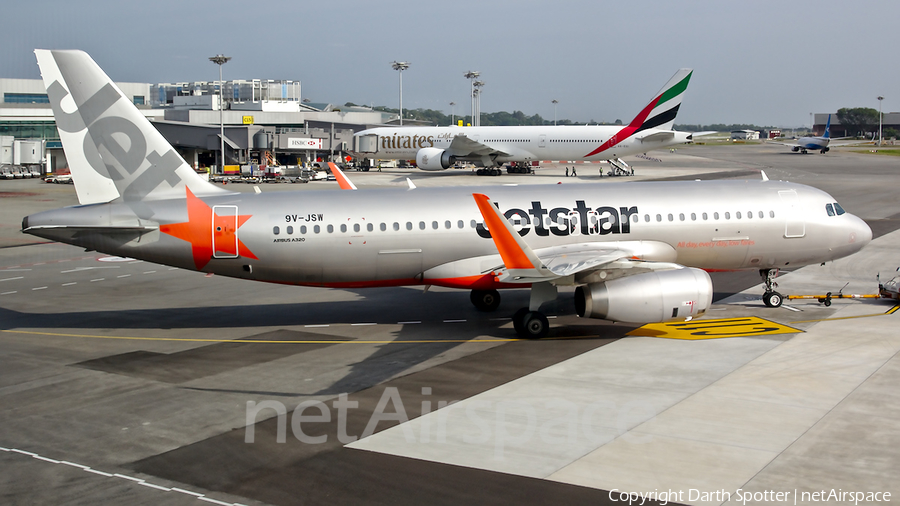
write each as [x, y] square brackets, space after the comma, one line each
[502, 118]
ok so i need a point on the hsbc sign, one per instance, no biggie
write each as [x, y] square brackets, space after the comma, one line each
[298, 143]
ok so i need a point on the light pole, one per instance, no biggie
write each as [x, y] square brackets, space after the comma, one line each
[554, 102]
[400, 66]
[471, 75]
[452, 113]
[478, 85]
[221, 60]
[880, 98]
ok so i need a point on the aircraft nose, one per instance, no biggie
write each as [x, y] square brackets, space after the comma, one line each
[859, 233]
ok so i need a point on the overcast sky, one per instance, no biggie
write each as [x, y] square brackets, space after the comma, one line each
[766, 63]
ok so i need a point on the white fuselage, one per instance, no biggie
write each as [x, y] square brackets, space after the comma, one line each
[519, 143]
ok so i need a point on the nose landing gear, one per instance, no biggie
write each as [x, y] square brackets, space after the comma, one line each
[771, 298]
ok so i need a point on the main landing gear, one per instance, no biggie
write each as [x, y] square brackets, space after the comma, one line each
[771, 298]
[529, 322]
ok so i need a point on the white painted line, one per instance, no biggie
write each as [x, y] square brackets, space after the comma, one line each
[98, 279]
[101, 473]
[132, 478]
[149, 272]
[792, 309]
[4, 449]
[361, 324]
[315, 326]
[13, 279]
[9, 293]
[39, 288]
[46, 459]
[69, 284]
[66, 462]
[409, 323]
[500, 319]
[188, 492]
[173, 268]
[23, 452]
[454, 321]
[124, 276]
[214, 501]
[164, 489]
[39, 263]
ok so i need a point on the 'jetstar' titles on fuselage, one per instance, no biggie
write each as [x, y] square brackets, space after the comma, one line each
[562, 221]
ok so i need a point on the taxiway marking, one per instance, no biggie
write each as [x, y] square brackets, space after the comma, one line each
[714, 329]
[138, 481]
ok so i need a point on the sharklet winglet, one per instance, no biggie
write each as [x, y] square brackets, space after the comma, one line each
[519, 259]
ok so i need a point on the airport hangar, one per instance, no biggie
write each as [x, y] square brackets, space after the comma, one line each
[259, 115]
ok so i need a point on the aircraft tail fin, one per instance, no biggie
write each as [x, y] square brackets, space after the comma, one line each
[342, 180]
[113, 151]
[827, 134]
[661, 111]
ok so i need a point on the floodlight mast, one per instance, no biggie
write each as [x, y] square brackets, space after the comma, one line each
[220, 60]
[478, 85]
[471, 76]
[554, 102]
[880, 98]
[400, 66]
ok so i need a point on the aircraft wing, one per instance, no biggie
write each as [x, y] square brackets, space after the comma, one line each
[790, 144]
[461, 145]
[833, 144]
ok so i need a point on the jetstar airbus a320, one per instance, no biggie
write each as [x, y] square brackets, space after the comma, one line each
[438, 148]
[636, 252]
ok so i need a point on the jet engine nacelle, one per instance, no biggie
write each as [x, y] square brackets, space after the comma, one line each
[433, 159]
[652, 297]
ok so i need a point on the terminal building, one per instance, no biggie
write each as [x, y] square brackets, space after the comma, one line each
[266, 121]
[889, 121]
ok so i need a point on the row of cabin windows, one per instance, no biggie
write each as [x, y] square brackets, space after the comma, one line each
[705, 216]
[370, 227]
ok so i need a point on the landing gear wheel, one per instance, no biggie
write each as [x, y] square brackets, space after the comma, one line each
[519, 321]
[534, 325]
[772, 299]
[485, 300]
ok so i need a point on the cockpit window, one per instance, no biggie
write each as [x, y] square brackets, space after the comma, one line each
[838, 209]
[829, 209]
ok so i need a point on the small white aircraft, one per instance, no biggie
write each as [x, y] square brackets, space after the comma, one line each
[817, 143]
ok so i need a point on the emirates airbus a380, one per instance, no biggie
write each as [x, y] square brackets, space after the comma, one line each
[636, 252]
[438, 148]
